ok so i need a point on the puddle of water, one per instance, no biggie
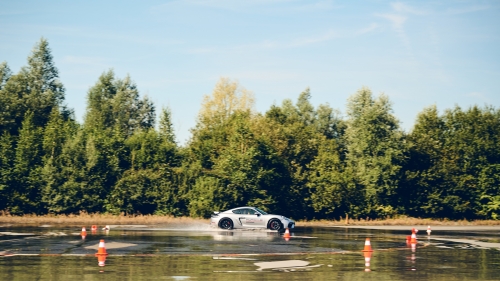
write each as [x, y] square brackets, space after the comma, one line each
[111, 245]
[286, 264]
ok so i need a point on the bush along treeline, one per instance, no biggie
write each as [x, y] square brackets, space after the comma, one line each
[295, 159]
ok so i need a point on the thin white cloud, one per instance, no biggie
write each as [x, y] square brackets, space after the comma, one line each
[84, 32]
[268, 44]
[316, 6]
[466, 10]
[396, 20]
[258, 5]
[368, 29]
[217, 4]
[478, 96]
[398, 17]
[312, 40]
[404, 8]
[199, 51]
[81, 60]
[267, 75]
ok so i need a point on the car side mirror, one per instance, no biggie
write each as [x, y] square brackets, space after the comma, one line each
[258, 214]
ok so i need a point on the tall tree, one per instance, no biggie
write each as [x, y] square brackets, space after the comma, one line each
[5, 74]
[7, 177]
[453, 159]
[227, 97]
[424, 179]
[42, 72]
[166, 127]
[224, 145]
[68, 191]
[375, 150]
[116, 103]
[44, 90]
[296, 132]
[35, 88]
[25, 195]
[57, 133]
[209, 136]
[326, 181]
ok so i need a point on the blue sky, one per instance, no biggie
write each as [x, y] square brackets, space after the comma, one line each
[419, 53]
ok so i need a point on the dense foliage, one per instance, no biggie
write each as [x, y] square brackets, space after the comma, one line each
[293, 159]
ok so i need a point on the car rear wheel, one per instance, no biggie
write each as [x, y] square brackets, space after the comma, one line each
[226, 224]
[275, 225]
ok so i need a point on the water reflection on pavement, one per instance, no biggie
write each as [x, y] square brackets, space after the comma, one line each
[198, 252]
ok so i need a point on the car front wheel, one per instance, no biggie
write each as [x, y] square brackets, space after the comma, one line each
[275, 225]
[226, 224]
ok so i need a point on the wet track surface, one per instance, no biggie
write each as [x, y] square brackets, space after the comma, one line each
[198, 252]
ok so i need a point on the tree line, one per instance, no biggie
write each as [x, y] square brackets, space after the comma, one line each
[295, 159]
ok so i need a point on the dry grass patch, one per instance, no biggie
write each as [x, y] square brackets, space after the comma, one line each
[98, 219]
[398, 221]
[108, 219]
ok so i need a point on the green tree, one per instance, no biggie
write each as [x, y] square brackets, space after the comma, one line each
[7, 156]
[12, 104]
[66, 190]
[35, 88]
[328, 188]
[114, 113]
[375, 151]
[489, 196]
[210, 136]
[25, 192]
[153, 159]
[115, 104]
[452, 164]
[57, 133]
[5, 74]
[43, 91]
[166, 127]
[424, 179]
[296, 133]
[224, 145]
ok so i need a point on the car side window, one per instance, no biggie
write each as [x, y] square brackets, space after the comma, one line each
[244, 211]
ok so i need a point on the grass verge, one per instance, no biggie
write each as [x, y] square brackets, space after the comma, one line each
[108, 219]
[98, 219]
[399, 221]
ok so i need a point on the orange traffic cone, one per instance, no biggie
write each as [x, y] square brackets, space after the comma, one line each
[83, 233]
[368, 246]
[94, 227]
[429, 230]
[287, 235]
[368, 256]
[413, 238]
[101, 259]
[101, 251]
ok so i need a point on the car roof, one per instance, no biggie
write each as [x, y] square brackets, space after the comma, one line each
[245, 207]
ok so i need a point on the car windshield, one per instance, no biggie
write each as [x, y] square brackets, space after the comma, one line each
[260, 211]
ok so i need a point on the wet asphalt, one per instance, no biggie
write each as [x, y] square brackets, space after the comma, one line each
[203, 240]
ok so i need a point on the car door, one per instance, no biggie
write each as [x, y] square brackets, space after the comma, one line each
[251, 218]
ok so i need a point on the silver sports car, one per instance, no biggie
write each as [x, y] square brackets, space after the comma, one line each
[250, 217]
